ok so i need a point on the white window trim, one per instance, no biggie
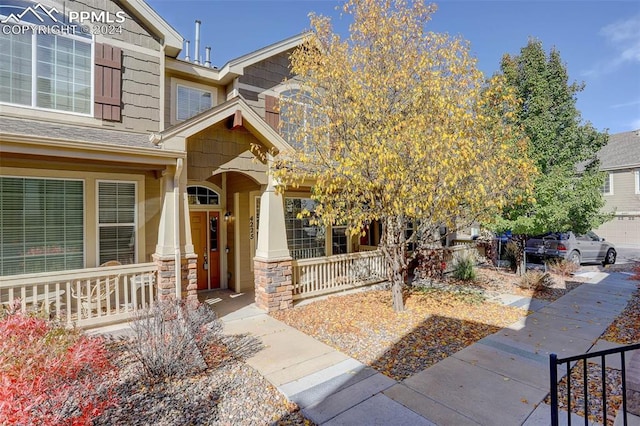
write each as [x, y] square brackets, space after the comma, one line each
[175, 82]
[135, 217]
[34, 77]
[610, 177]
[637, 181]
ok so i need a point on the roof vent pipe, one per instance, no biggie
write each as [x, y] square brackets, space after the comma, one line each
[207, 57]
[186, 51]
[196, 52]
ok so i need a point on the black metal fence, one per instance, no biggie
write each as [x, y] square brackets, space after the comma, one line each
[554, 362]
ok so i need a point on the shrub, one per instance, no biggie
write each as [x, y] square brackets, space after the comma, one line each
[535, 280]
[512, 255]
[50, 375]
[562, 267]
[174, 337]
[464, 266]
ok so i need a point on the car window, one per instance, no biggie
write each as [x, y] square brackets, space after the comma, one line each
[583, 238]
[593, 236]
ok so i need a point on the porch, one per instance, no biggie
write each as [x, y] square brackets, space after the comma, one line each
[83, 297]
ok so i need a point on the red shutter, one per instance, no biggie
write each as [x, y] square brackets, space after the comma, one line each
[271, 113]
[108, 82]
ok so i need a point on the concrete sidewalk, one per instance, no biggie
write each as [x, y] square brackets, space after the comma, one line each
[499, 380]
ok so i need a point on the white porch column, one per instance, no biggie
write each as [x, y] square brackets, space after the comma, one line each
[272, 263]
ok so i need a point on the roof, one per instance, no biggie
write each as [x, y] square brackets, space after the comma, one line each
[170, 37]
[249, 118]
[50, 139]
[621, 152]
[89, 135]
[236, 67]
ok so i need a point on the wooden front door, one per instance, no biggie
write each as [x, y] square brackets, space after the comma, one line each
[205, 235]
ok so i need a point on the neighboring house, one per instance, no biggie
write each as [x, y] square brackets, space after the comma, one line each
[113, 149]
[620, 159]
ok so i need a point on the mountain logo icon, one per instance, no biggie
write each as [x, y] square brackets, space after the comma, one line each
[36, 11]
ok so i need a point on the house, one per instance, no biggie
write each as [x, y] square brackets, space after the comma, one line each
[115, 149]
[620, 159]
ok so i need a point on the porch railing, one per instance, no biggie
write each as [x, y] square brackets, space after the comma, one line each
[323, 275]
[83, 297]
[554, 362]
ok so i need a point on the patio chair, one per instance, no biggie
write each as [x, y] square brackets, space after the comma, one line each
[96, 296]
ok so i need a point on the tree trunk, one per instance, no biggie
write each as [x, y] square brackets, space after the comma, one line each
[394, 247]
[521, 265]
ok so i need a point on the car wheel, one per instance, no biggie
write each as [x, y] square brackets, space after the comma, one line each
[610, 258]
[574, 257]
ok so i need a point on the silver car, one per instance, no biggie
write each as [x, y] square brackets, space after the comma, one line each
[587, 248]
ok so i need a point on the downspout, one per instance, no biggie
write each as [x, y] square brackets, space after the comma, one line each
[176, 227]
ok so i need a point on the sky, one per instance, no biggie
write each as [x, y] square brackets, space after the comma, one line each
[599, 41]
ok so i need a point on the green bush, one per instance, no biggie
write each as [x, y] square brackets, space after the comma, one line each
[464, 267]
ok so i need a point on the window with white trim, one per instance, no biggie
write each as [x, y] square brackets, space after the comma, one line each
[305, 240]
[191, 101]
[117, 222]
[607, 188]
[42, 223]
[296, 113]
[202, 195]
[46, 71]
[637, 181]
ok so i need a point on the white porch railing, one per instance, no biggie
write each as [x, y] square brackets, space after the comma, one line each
[84, 297]
[323, 275]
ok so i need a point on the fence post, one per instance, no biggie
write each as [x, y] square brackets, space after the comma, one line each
[553, 374]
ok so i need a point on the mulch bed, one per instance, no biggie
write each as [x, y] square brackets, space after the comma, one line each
[625, 329]
[435, 324]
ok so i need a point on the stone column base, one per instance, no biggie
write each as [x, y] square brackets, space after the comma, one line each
[190, 276]
[273, 284]
[167, 282]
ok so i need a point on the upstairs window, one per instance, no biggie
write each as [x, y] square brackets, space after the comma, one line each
[637, 180]
[607, 188]
[297, 112]
[192, 101]
[46, 71]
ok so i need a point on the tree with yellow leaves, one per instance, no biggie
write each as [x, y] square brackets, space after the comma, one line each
[396, 124]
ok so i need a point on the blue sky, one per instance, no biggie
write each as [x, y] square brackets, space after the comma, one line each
[598, 40]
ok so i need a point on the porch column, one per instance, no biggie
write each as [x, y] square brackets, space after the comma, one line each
[272, 264]
[172, 230]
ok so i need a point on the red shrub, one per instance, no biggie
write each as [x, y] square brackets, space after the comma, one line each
[50, 375]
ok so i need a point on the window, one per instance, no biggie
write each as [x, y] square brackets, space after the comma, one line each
[42, 223]
[339, 240]
[202, 195]
[46, 71]
[192, 101]
[637, 180]
[607, 188]
[296, 112]
[305, 240]
[117, 222]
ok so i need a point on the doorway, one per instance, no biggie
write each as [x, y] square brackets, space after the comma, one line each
[205, 235]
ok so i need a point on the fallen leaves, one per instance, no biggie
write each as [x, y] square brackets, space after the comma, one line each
[434, 325]
[625, 329]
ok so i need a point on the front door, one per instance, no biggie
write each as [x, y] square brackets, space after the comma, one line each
[205, 235]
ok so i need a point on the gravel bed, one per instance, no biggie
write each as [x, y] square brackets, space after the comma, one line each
[231, 394]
